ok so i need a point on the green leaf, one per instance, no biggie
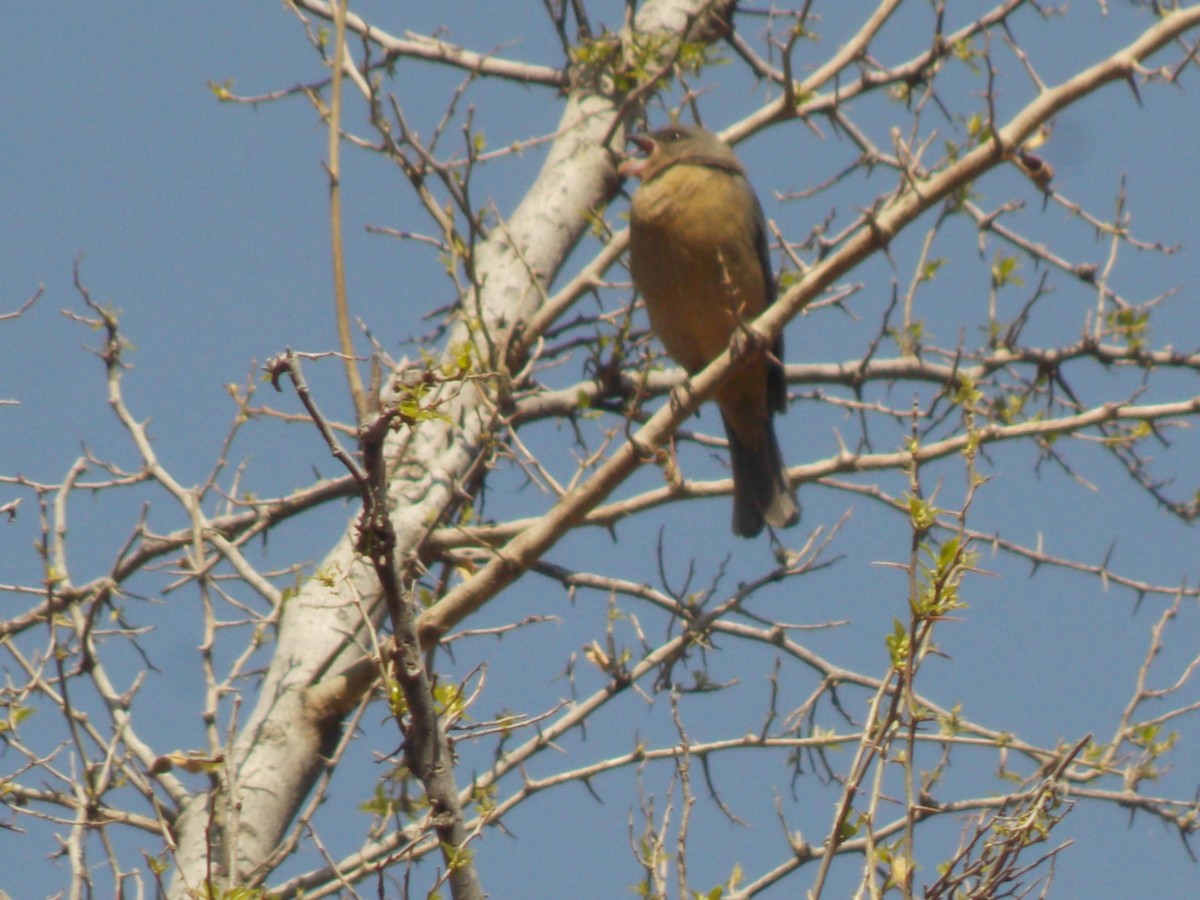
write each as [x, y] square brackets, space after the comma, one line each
[1004, 271]
[930, 269]
[222, 91]
[898, 644]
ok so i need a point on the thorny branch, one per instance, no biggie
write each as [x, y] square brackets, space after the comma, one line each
[920, 413]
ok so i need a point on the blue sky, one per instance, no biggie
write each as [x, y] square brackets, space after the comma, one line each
[206, 225]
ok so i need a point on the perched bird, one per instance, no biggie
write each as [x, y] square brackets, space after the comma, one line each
[698, 254]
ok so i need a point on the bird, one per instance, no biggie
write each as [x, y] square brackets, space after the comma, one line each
[698, 257]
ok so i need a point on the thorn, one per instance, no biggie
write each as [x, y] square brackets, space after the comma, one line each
[1133, 87]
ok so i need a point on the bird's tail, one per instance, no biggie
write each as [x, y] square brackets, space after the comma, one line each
[760, 488]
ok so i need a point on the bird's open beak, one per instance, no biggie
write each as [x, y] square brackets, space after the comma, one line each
[643, 142]
[636, 166]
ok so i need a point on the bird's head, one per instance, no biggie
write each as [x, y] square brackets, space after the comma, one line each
[678, 144]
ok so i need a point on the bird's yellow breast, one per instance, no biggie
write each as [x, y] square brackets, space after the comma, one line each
[694, 256]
